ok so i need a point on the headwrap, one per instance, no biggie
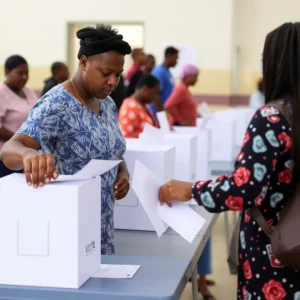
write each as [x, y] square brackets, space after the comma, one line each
[188, 70]
[93, 42]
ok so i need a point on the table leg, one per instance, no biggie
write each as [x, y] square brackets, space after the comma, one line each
[195, 284]
[227, 231]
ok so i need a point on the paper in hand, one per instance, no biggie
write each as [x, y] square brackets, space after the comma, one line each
[181, 218]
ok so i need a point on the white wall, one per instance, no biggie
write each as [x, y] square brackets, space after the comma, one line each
[37, 29]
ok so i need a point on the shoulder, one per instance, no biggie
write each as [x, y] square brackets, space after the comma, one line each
[158, 70]
[54, 101]
[269, 119]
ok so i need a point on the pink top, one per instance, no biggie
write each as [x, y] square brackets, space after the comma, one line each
[14, 110]
[181, 106]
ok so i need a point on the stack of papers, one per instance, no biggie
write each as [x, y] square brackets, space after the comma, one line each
[181, 218]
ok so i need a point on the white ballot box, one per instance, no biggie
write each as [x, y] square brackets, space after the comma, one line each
[186, 154]
[203, 150]
[185, 148]
[223, 137]
[242, 118]
[50, 236]
[160, 160]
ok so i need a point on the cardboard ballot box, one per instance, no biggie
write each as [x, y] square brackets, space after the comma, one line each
[186, 154]
[223, 139]
[203, 150]
[50, 236]
[241, 117]
[160, 159]
[185, 149]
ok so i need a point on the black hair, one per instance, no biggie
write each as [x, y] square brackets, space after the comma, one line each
[150, 56]
[135, 52]
[171, 51]
[13, 62]
[260, 85]
[56, 66]
[147, 80]
[281, 77]
[100, 39]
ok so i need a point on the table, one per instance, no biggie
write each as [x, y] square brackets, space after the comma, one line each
[144, 243]
[152, 281]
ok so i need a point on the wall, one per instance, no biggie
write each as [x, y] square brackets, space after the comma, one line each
[38, 31]
[255, 19]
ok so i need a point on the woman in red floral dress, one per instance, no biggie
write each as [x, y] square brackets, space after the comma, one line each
[263, 174]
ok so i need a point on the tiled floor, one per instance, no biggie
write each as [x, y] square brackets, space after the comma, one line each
[225, 288]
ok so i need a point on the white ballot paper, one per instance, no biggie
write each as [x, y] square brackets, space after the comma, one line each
[163, 121]
[152, 135]
[181, 218]
[116, 271]
[94, 168]
[146, 187]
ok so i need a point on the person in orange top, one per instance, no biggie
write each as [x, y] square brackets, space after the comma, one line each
[134, 112]
[181, 106]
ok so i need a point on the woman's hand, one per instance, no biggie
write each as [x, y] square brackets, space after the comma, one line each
[39, 168]
[175, 190]
[122, 185]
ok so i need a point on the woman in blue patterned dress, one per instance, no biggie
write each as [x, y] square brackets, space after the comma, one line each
[70, 125]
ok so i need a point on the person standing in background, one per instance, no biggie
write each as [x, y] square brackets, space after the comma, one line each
[16, 101]
[181, 106]
[138, 57]
[134, 112]
[257, 99]
[149, 65]
[163, 74]
[60, 73]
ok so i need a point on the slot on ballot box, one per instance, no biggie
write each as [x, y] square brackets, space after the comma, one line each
[50, 236]
[160, 159]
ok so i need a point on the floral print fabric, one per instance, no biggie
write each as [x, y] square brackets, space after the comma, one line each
[262, 178]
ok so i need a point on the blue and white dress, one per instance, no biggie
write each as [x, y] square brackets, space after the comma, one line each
[75, 135]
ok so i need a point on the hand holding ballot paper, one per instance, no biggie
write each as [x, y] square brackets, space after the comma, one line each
[181, 217]
[175, 190]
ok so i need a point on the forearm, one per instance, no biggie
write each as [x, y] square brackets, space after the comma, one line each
[12, 154]
[123, 168]
[5, 134]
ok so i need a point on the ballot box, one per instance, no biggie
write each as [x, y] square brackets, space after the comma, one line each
[241, 117]
[50, 236]
[223, 138]
[160, 160]
[203, 148]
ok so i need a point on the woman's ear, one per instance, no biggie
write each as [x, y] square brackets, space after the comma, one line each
[83, 62]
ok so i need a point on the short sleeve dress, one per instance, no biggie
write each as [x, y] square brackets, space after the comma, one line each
[75, 135]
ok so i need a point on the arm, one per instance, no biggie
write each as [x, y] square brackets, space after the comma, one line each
[266, 138]
[171, 104]
[5, 134]
[45, 122]
[14, 151]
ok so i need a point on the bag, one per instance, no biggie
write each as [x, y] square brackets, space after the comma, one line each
[285, 240]
[233, 255]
